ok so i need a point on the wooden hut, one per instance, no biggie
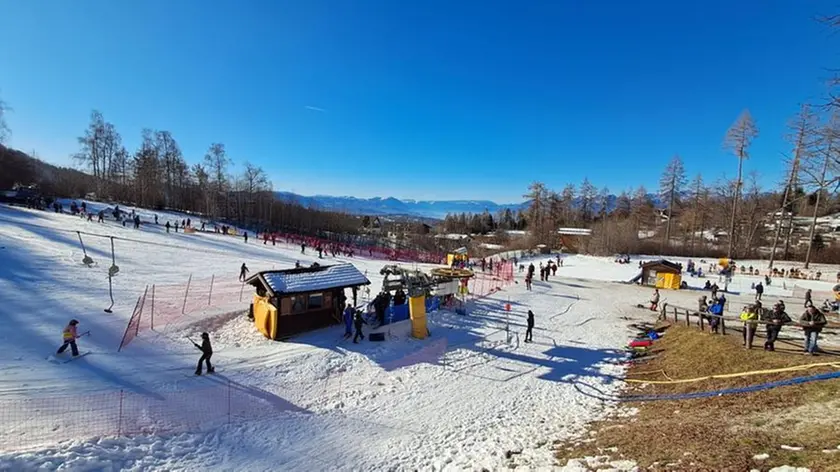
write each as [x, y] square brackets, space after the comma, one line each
[662, 274]
[294, 301]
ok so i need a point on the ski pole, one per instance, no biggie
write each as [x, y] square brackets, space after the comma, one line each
[83, 334]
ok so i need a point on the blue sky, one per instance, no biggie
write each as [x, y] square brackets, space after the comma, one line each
[427, 100]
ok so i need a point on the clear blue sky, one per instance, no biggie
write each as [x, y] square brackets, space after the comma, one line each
[421, 99]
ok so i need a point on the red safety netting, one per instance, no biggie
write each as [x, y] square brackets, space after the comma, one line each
[352, 249]
[40, 421]
[165, 304]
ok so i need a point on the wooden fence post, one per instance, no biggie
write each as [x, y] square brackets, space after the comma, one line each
[210, 296]
[152, 327]
[119, 421]
[186, 292]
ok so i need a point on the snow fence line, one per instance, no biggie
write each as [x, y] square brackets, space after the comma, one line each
[162, 305]
[35, 422]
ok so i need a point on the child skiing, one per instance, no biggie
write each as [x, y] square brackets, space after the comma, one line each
[243, 272]
[70, 336]
[206, 353]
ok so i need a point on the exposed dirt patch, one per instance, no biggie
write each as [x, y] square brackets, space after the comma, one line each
[730, 432]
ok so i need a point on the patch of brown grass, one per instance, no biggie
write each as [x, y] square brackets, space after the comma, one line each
[722, 433]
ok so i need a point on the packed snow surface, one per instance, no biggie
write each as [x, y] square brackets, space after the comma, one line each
[473, 395]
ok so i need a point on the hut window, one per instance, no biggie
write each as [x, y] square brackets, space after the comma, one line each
[298, 305]
[316, 301]
[285, 306]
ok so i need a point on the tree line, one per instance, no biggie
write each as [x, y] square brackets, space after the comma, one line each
[156, 175]
[732, 217]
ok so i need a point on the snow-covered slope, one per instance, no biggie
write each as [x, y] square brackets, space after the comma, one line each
[473, 395]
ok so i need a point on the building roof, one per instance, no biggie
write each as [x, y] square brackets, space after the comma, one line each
[310, 279]
[662, 263]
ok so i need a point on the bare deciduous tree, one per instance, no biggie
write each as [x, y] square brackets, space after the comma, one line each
[4, 127]
[819, 171]
[670, 185]
[738, 139]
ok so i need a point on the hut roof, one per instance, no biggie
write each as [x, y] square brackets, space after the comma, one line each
[309, 279]
[662, 265]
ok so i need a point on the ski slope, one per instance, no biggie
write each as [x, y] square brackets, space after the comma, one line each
[471, 396]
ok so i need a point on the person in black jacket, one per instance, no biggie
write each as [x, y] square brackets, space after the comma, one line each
[206, 353]
[529, 333]
[358, 321]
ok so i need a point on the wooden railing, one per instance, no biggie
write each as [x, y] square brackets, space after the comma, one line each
[686, 313]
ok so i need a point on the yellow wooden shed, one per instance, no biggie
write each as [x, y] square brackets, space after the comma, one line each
[662, 274]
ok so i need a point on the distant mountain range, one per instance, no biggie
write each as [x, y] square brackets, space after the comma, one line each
[435, 209]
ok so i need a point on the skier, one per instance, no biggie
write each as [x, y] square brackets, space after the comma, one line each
[243, 271]
[101, 216]
[759, 290]
[167, 226]
[70, 336]
[188, 222]
[246, 237]
[303, 248]
[529, 333]
[176, 226]
[528, 279]
[348, 321]
[808, 302]
[206, 353]
[358, 321]
[156, 219]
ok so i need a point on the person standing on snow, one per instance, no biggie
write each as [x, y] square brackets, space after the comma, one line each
[654, 300]
[348, 321]
[243, 272]
[206, 353]
[246, 237]
[70, 336]
[529, 333]
[167, 226]
[358, 321]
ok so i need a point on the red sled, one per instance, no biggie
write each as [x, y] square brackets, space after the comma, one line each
[643, 343]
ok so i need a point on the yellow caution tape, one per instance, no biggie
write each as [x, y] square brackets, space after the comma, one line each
[738, 374]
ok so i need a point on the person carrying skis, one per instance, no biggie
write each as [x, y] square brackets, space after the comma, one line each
[243, 272]
[206, 353]
[358, 321]
[348, 321]
[529, 333]
[70, 336]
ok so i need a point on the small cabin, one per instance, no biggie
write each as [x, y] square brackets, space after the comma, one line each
[662, 274]
[294, 301]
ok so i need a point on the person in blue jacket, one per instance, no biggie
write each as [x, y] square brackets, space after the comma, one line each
[348, 321]
[715, 309]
